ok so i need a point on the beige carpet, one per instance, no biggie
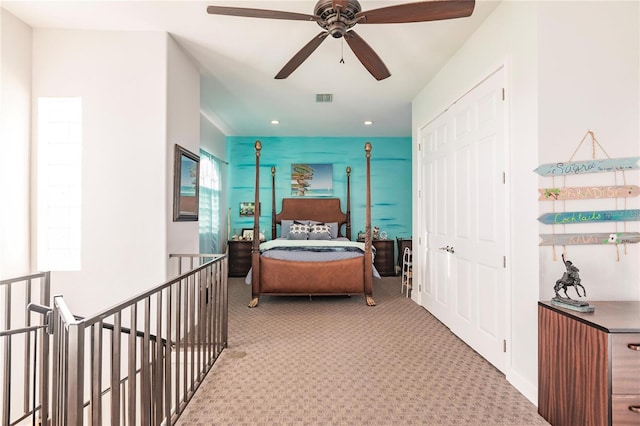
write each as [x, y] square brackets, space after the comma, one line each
[335, 361]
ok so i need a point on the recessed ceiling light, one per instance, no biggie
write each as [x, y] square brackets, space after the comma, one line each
[275, 122]
[368, 123]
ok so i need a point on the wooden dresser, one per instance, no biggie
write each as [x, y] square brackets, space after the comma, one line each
[589, 364]
[385, 261]
[239, 257]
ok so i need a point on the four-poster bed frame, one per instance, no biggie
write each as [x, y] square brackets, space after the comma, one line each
[278, 277]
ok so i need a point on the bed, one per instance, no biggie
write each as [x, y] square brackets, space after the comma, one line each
[338, 265]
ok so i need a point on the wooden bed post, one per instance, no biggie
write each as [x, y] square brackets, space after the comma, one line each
[255, 243]
[273, 202]
[368, 255]
[348, 230]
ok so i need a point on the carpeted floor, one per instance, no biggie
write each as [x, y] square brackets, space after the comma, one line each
[335, 361]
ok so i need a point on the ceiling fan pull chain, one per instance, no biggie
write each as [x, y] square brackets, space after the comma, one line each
[342, 50]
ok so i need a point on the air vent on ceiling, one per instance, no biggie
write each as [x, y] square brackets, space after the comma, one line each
[324, 97]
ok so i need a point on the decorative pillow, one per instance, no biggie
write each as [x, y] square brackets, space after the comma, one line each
[332, 225]
[298, 231]
[285, 226]
[298, 236]
[320, 231]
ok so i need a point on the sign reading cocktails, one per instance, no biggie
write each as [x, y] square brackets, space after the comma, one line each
[567, 218]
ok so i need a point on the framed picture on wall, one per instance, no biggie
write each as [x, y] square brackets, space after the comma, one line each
[312, 180]
[248, 208]
[186, 188]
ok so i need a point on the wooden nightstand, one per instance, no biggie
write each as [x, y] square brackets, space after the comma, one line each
[402, 244]
[239, 258]
[384, 260]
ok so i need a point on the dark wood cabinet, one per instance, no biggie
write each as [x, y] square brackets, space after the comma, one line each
[589, 364]
[402, 244]
[384, 259]
[239, 258]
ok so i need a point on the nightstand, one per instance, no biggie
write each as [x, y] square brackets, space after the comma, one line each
[402, 244]
[239, 257]
[384, 259]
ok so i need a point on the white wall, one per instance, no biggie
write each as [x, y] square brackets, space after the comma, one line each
[183, 128]
[572, 66]
[212, 139]
[15, 133]
[122, 79]
[508, 37]
[590, 74]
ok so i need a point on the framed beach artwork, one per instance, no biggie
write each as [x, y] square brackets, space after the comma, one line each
[186, 189]
[248, 208]
[312, 180]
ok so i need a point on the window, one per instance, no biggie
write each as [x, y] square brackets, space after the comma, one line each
[209, 211]
[59, 183]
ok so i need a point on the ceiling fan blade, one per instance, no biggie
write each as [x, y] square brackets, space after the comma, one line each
[301, 56]
[259, 13]
[433, 10]
[367, 56]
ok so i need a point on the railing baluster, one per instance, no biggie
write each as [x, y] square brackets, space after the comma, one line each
[6, 391]
[201, 324]
[186, 347]
[178, 343]
[116, 349]
[158, 376]
[167, 359]
[145, 403]
[210, 319]
[133, 340]
[96, 374]
[26, 398]
[74, 378]
[44, 347]
[192, 329]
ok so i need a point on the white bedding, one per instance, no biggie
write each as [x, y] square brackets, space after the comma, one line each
[312, 251]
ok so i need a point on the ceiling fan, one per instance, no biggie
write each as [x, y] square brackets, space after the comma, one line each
[337, 17]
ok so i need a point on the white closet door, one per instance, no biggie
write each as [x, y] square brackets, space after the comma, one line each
[465, 219]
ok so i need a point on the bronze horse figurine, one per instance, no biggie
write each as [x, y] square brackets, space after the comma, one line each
[571, 278]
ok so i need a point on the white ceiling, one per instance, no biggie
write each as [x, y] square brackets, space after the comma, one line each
[240, 56]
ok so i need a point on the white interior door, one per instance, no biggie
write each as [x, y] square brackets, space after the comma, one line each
[462, 172]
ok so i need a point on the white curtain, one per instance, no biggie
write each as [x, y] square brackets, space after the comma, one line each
[210, 191]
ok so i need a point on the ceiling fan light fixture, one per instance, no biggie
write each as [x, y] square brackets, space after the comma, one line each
[337, 17]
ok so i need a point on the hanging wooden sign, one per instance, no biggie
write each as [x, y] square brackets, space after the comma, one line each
[588, 192]
[567, 218]
[585, 239]
[590, 166]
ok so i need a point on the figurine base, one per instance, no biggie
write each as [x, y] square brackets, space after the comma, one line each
[574, 305]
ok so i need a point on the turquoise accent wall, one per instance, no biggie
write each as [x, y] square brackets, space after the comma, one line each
[390, 177]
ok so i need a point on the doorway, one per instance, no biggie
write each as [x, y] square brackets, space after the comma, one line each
[463, 221]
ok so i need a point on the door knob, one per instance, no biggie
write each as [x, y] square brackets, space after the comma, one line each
[447, 249]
